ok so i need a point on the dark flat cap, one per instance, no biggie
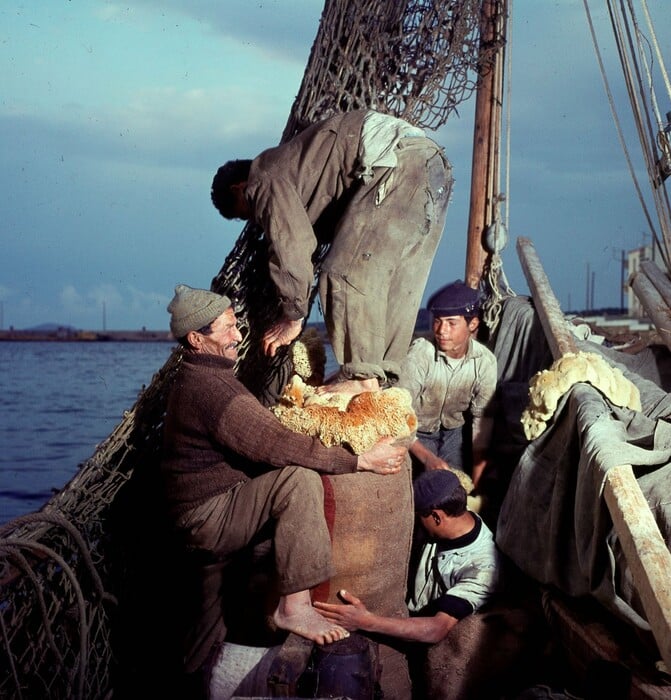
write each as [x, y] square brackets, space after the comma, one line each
[454, 299]
[433, 488]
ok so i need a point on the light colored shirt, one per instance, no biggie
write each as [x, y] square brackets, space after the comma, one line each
[467, 568]
[380, 133]
[441, 394]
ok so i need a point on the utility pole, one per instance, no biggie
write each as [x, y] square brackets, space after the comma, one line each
[622, 281]
[587, 307]
[104, 317]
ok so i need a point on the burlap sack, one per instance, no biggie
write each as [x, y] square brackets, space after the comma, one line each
[370, 518]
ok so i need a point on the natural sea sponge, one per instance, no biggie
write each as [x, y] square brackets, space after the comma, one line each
[357, 422]
[308, 356]
[549, 385]
[299, 393]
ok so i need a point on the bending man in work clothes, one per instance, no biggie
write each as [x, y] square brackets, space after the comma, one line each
[374, 188]
[457, 571]
[452, 380]
[230, 467]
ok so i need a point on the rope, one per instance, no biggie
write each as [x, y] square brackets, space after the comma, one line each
[658, 52]
[619, 130]
[641, 116]
[656, 134]
[494, 276]
[494, 279]
[12, 550]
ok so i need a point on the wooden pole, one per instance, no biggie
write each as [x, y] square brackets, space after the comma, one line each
[482, 192]
[652, 300]
[646, 552]
[659, 279]
[555, 326]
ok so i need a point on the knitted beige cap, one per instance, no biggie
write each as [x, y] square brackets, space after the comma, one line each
[192, 309]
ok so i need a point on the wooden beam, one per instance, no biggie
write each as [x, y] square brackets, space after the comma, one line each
[653, 290]
[557, 332]
[645, 550]
[659, 280]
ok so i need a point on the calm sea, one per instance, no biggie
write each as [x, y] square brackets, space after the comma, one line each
[58, 401]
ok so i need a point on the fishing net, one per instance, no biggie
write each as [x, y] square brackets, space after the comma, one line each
[74, 575]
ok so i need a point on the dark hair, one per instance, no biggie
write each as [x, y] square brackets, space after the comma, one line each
[467, 317]
[231, 173]
[204, 330]
[454, 506]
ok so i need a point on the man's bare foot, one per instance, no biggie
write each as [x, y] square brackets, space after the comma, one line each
[351, 387]
[295, 613]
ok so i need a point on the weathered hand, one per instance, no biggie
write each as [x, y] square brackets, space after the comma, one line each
[350, 616]
[385, 457]
[279, 334]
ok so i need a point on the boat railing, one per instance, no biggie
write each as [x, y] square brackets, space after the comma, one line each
[646, 552]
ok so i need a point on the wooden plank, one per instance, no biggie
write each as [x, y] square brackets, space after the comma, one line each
[659, 280]
[645, 550]
[555, 326]
[651, 290]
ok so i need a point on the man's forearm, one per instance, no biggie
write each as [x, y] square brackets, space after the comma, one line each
[412, 629]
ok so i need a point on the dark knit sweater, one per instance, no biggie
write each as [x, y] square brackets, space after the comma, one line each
[217, 434]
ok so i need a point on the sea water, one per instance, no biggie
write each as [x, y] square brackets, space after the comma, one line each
[58, 401]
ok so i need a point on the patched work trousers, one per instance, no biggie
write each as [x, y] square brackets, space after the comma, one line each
[293, 498]
[374, 275]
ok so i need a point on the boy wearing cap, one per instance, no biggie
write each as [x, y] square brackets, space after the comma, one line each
[230, 468]
[452, 380]
[457, 571]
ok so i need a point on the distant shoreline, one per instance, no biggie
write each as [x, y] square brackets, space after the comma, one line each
[68, 335]
[65, 334]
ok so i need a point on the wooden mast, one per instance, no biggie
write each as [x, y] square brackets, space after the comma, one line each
[486, 137]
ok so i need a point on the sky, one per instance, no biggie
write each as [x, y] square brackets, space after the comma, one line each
[114, 118]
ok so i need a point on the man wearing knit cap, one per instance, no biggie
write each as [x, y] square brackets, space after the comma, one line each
[375, 189]
[458, 568]
[452, 380]
[230, 468]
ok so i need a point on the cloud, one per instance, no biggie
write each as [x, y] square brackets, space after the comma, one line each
[277, 28]
[111, 141]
